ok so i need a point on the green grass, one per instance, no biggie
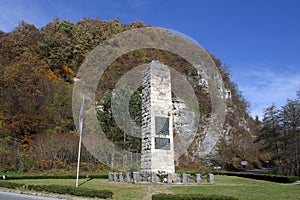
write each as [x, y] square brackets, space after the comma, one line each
[241, 188]
[244, 189]
[13, 173]
[55, 172]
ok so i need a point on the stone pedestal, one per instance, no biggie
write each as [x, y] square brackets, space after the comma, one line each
[155, 178]
[128, 177]
[185, 178]
[115, 176]
[121, 177]
[198, 178]
[177, 178]
[170, 178]
[110, 176]
[157, 124]
[210, 178]
[136, 177]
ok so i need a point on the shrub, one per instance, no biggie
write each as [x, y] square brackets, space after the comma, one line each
[59, 189]
[105, 176]
[37, 187]
[292, 179]
[191, 197]
[58, 177]
[11, 185]
[265, 177]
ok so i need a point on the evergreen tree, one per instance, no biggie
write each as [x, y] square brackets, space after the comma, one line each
[280, 135]
[107, 116]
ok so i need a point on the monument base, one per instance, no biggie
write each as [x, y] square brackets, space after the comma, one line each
[153, 177]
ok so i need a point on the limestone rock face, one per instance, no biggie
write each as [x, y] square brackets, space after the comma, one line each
[211, 128]
[184, 130]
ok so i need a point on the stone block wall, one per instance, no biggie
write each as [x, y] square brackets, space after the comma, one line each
[157, 124]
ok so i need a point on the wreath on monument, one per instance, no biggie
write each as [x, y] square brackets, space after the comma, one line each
[162, 175]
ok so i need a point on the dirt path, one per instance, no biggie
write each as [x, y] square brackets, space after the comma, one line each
[156, 189]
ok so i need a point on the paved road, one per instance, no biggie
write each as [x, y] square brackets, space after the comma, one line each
[261, 171]
[16, 196]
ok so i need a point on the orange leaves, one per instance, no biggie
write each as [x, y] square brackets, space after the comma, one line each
[51, 76]
[24, 124]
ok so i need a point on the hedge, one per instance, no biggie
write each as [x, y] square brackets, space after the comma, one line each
[265, 177]
[58, 177]
[191, 197]
[59, 189]
[11, 185]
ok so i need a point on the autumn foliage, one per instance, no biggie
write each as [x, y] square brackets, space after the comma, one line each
[37, 67]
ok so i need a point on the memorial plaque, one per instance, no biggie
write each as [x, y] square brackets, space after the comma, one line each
[161, 126]
[162, 143]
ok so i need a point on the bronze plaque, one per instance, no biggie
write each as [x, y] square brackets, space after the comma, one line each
[162, 143]
[161, 126]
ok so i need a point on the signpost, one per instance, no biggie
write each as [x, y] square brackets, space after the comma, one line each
[244, 163]
[217, 168]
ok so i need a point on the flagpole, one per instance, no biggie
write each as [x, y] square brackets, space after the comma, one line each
[80, 138]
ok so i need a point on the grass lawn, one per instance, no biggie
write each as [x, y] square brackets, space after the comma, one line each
[224, 185]
[244, 189]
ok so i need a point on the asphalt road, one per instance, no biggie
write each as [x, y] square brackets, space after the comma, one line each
[261, 171]
[16, 196]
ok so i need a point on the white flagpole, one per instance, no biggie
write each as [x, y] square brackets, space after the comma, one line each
[80, 138]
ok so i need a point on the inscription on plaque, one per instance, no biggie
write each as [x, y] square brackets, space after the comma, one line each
[162, 143]
[161, 126]
[161, 132]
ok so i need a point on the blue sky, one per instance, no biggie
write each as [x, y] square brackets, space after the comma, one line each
[259, 40]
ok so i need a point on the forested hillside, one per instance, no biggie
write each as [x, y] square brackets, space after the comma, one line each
[37, 69]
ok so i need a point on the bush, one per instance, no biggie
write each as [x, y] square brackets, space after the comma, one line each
[59, 189]
[292, 179]
[99, 176]
[37, 187]
[190, 197]
[11, 185]
[58, 177]
[265, 177]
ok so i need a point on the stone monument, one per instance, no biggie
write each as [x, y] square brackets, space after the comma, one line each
[157, 123]
[157, 153]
